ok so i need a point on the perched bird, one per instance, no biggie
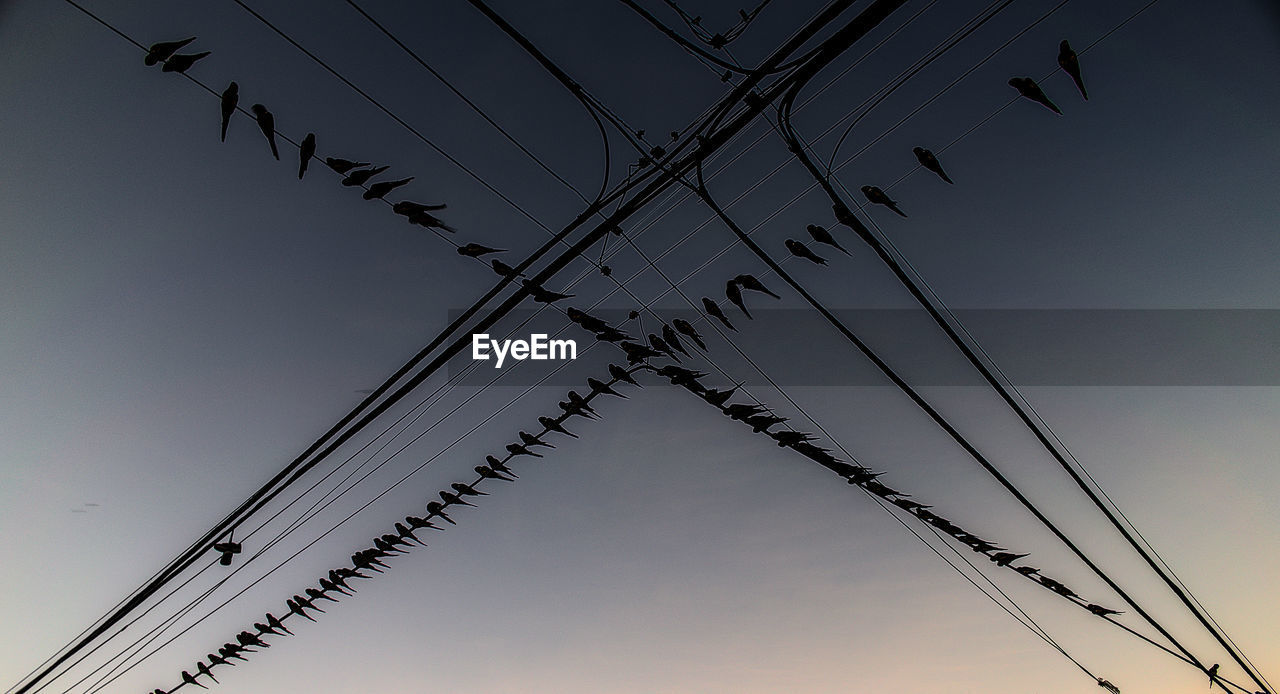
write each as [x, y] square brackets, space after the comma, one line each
[1100, 610]
[203, 669]
[530, 440]
[821, 235]
[714, 311]
[188, 679]
[361, 176]
[586, 320]
[1005, 558]
[416, 522]
[598, 386]
[638, 353]
[331, 587]
[621, 374]
[552, 425]
[669, 337]
[1213, 675]
[378, 190]
[306, 150]
[230, 99]
[218, 660]
[162, 50]
[543, 296]
[879, 197]
[1108, 686]
[451, 499]
[661, 345]
[571, 409]
[342, 166]
[734, 294]
[467, 490]
[930, 162]
[503, 269]
[680, 376]
[182, 62]
[305, 603]
[499, 466]
[762, 422]
[267, 124]
[475, 250]
[750, 282]
[275, 623]
[517, 449]
[741, 411]
[802, 251]
[1070, 63]
[295, 608]
[435, 508]
[1028, 88]
[718, 397]
[403, 532]
[1027, 570]
[790, 438]
[686, 329]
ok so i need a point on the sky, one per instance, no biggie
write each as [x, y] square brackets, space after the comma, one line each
[182, 316]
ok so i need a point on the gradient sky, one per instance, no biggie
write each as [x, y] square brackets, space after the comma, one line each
[181, 317]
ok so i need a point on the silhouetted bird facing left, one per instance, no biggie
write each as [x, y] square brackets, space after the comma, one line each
[714, 311]
[733, 292]
[202, 669]
[435, 508]
[685, 328]
[530, 440]
[598, 386]
[306, 151]
[378, 190]
[1028, 88]
[161, 51]
[342, 166]
[669, 337]
[1108, 686]
[467, 490]
[1213, 676]
[188, 679]
[503, 269]
[451, 499]
[475, 250]
[661, 345]
[499, 466]
[879, 197]
[1005, 558]
[361, 176]
[821, 235]
[267, 124]
[1070, 63]
[621, 374]
[750, 282]
[182, 62]
[930, 162]
[802, 251]
[552, 425]
[1100, 610]
[543, 296]
[489, 473]
[230, 99]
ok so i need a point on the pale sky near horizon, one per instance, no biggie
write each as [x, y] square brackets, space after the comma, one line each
[180, 317]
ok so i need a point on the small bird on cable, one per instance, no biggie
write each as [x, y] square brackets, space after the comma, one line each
[360, 177]
[182, 62]
[802, 251]
[879, 197]
[230, 99]
[378, 190]
[530, 440]
[621, 374]
[467, 490]
[669, 337]
[188, 679]
[603, 388]
[267, 124]
[714, 311]
[342, 166]
[686, 329]
[661, 345]
[306, 150]
[1028, 88]
[750, 282]
[552, 425]
[733, 291]
[451, 499]
[930, 162]
[821, 235]
[1070, 63]
[435, 508]
[499, 466]
[161, 51]
[475, 250]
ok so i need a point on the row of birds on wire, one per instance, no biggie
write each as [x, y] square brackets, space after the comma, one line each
[372, 560]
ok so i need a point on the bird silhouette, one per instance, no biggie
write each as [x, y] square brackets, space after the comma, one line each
[267, 124]
[1026, 570]
[499, 466]
[541, 295]
[930, 162]
[1213, 675]
[1070, 63]
[182, 62]
[669, 337]
[330, 587]
[879, 197]
[517, 449]
[203, 669]
[1108, 686]
[406, 533]
[530, 440]
[1100, 610]
[342, 166]
[435, 508]
[295, 608]
[275, 623]
[467, 490]
[790, 438]
[161, 51]
[718, 397]
[230, 99]
[802, 251]
[502, 269]
[750, 282]
[451, 499]
[306, 150]
[734, 293]
[741, 411]
[761, 423]
[1006, 558]
[188, 679]
[420, 215]
[361, 176]
[571, 409]
[821, 235]
[620, 374]
[552, 425]
[637, 353]
[415, 523]
[1028, 88]
[475, 250]
[598, 386]
[379, 190]
[218, 660]
[489, 473]
[586, 320]
[661, 345]
[686, 329]
[714, 311]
